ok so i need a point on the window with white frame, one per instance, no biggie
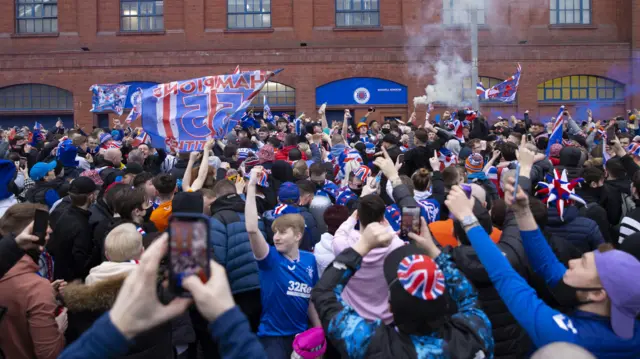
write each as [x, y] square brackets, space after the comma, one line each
[458, 12]
[570, 12]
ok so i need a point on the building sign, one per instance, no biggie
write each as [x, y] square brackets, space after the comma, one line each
[361, 91]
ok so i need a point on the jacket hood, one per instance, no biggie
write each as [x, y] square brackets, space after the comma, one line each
[231, 202]
[570, 213]
[25, 265]
[622, 185]
[570, 157]
[96, 297]
[107, 270]
[325, 242]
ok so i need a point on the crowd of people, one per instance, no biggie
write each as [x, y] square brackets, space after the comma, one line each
[527, 246]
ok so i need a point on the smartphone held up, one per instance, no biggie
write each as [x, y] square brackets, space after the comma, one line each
[188, 250]
[410, 222]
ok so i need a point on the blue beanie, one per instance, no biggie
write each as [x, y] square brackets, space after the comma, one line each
[67, 154]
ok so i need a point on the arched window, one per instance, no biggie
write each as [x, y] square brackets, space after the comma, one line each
[30, 97]
[277, 95]
[581, 88]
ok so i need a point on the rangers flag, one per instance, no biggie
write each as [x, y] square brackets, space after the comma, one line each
[183, 115]
[556, 133]
[504, 91]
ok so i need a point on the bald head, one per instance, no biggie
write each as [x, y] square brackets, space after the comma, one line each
[562, 350]
[114, 156]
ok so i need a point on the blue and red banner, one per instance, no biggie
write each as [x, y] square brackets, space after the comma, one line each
[183, 115]
[556, 132]
[505, 91]
[109, 97]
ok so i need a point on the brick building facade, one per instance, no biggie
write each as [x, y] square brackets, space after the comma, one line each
[89, 46]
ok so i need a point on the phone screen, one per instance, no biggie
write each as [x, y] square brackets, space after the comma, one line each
[611, 134]
[401, 158]
[40, 225]
[410, 221]
[188, 251]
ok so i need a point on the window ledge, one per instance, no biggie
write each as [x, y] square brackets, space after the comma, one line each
[573, 26]
[358, 28]
[140, 33]
[570, 102]
[249, 30]
[497, 104]
[28, 35]
[464, 26]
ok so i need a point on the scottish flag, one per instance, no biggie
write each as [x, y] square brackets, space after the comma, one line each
[504, 91]
[556, 133]
[183, 115]
[109, 97]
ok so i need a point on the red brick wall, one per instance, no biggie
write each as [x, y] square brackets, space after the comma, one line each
[196, 43]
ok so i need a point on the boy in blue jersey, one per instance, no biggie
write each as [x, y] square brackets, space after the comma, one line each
[604, 323]
[287, 276]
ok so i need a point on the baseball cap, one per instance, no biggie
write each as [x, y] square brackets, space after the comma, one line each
[363, 124]
[82, 185]
[474, 163]
[288, 192]
[94, 176]
[40, 169]
[617, 271]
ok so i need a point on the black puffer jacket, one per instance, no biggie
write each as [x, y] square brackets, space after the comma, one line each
[37, 194]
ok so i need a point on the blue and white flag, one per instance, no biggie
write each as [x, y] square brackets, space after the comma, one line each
[136, 111]
[183, 115]
[267, 112]
[109, 97]
[556, 133]
[504, 91]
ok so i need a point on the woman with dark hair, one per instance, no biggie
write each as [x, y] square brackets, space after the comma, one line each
[334, 216]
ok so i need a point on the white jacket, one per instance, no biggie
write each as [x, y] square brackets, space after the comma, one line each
[324, 252]
[107, 270]
[83, 163]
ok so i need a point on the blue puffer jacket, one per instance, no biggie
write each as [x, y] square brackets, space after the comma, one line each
[582, 232]
[230, 243]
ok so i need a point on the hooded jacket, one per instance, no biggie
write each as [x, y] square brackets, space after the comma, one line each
[324, 252]
[571, 160]
[29, 329]
[582, 232]
[47, 192]
[71, 245]
[86, 303]
[230, 243]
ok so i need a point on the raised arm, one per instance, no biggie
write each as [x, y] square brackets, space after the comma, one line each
[543, 324]
[323, 118]
[345, 125]
[259, 245]
[186, 180]
[204, 167]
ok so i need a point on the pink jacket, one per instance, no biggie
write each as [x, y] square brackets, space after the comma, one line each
[367, 290]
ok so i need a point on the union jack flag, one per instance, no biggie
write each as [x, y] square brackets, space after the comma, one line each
[420, 276]
[142, 137]
[556, 133]
[634, 149]
[447, 158]
[504, 91]
[362, 173]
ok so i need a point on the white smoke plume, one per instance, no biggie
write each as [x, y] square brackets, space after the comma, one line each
[436, 52]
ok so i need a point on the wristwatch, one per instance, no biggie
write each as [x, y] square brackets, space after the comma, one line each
[468, 222]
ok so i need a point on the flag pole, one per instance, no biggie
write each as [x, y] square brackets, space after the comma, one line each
[473, 14]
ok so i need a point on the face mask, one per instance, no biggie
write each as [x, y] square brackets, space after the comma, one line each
[566, 295]
[386, 131]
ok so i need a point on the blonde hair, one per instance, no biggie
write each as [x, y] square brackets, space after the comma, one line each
[294, 221]
[300, 170]
[123, 243]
